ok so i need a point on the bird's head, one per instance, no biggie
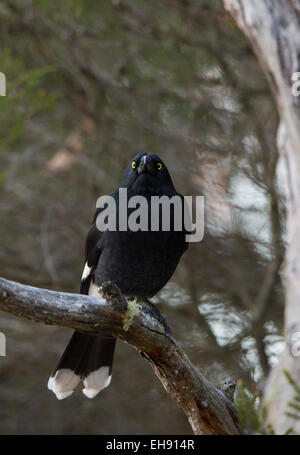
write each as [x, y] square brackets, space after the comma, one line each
[147, 172]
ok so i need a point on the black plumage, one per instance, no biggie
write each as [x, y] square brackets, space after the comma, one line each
[139, 262]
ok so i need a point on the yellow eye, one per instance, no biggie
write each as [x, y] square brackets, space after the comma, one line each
[133, 164]
[159, 166]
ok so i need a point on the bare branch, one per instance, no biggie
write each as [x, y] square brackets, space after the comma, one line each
[207, 408]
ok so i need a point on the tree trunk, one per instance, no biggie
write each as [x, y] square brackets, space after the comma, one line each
[272, 27]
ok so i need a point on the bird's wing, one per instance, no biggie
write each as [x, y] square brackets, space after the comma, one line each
[92, 254]
[93, 246]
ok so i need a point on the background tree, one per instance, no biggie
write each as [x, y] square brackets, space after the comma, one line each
[273, 30]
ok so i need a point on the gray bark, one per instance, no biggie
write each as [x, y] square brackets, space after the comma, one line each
[272, 27]
[207, 408]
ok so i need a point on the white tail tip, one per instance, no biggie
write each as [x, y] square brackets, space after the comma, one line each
[96, 381]
[63, 383]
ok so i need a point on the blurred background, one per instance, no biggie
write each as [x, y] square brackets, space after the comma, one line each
[90, 85]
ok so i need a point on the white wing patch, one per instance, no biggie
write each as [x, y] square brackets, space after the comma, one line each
[86, 272]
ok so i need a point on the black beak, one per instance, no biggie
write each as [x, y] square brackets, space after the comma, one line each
[145, 166]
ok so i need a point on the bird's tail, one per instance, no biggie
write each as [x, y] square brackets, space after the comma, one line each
[87, 358]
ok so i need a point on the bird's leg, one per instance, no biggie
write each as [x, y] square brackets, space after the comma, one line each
[158, 315]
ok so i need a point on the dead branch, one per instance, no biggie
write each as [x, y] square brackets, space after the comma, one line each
[208, 409]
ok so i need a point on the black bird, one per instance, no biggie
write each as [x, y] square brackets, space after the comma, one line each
[139, 262]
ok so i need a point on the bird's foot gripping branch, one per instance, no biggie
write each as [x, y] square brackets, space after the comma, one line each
[207, 408]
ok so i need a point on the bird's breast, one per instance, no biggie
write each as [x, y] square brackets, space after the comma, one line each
[140, 262]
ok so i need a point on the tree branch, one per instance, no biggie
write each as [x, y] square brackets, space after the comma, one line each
[207, 408]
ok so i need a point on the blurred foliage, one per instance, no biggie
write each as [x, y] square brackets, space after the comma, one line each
[247, 408]
[294, 406]
[90, 85]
